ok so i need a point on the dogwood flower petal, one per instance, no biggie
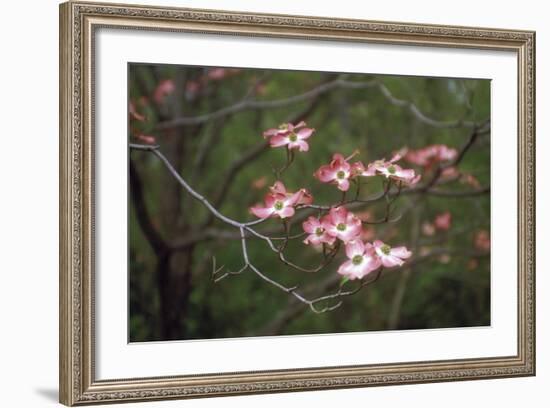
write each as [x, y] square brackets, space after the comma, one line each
[262, 212]
[325, 174]
[311, 224]
[338, 172]
[317, 234]
[343, 185]
[342, 224]
[293, 199]
[279, 202]
[278, 140]
[300, 145]
[289, 135]
[389, 256]
[304, 133]
[401, 252]
[286, 212]
[278, 188]
[355, 247]
[362, 260]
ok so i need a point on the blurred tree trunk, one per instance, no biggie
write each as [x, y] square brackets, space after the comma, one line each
[174, 268]
[174, 281]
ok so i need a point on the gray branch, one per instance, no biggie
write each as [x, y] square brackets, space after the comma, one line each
[253, 104]
[245, 227]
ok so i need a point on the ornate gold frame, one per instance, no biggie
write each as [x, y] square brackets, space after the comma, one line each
[77, 24]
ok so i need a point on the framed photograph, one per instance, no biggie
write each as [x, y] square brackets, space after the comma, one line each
[258, 203]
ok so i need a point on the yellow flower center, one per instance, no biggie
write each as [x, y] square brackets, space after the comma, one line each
[278, 205]
[341, 227]
[357, 259]
[340, 174]
[391, 169]
[319, 231]
[385, 249]
[293, 137]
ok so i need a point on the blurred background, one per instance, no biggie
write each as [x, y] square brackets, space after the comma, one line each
[208, 122]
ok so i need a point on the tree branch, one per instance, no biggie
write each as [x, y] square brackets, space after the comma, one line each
[251, 104]
[246, 231]
[247, 227]
[206, 234]
[252, 154]
[295, 308]
[418, 114]
[476, 132]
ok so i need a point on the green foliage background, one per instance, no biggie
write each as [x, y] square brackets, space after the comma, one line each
[436, 293]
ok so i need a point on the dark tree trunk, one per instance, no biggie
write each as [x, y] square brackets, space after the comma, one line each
[174, 282]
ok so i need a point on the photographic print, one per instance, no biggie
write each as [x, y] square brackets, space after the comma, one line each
[269, 202]
[286, 212]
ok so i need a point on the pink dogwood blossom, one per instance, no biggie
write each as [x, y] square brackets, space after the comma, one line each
[446, 153]
[391, 170]
[470, 180]
[362, 260]
[289, 135]
[278, 203]
[279, 188]
[482, 240]
[317, 233]
[450, 173]
[259, 183]
[306, 199]
[134, 113]
[342, 224]
[429, 155]
[386, 168]
[146, 138]
[389, 256]
[217, 74]
[192, 88]
[443, 221]
[338, 172]
[428, 229]
[163, 89]
[359, 169]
